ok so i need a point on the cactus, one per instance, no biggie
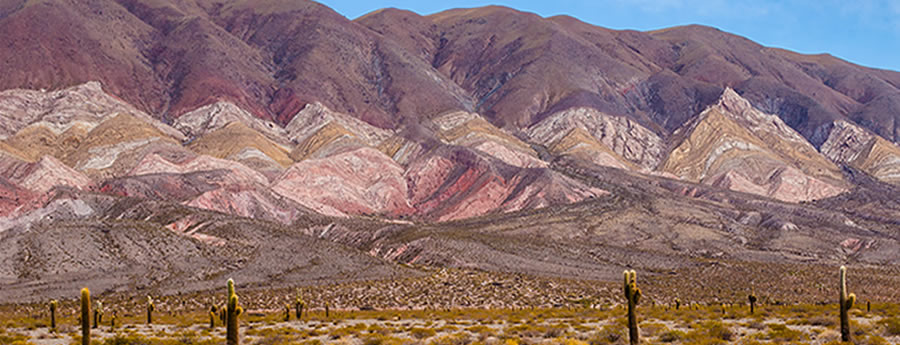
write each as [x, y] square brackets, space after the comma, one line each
[752, 299]
[868, 306]
[298, 305]
[633, 296]
[232, 312]
[150, 309]
[54, 305]
[287, 312]
[846, 302]
[677, 303]
[85, 316]
[212, 316]
[98, 314]
[112, 320]
[326, 310]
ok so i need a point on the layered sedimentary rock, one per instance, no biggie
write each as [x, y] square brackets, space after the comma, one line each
[401, 149]
[116, 145]
[44, 139]
[473, 131]
[582, 145]
[208, 183]
[83, 105]
[460, 113]
[158, 178]
[328, 140]
[735, 146]
[237, 173]
[45, 174]
[852, 145]
[363, 181]
[12, 197]
[256, 202]
[622, 135]
[315, 116]
[212, 117]
[456, 182]
[236, 141]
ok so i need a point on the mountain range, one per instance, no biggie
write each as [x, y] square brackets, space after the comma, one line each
[485, 137]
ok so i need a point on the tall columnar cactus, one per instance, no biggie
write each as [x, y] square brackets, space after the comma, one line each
[98, 314]
[633, 296]
[54, 305]
[752, 299]
[102, 312]
[846, 303]
[232, 311]
[326, 310]
[298, 306]
[212, 316]
[85, 316]
[287, 312]
[150, 309]
[677, 304]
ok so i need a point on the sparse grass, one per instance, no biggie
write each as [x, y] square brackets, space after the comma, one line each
[137, 339]
[695, 325]
[891, 326]
[780, 333]
[422, 333]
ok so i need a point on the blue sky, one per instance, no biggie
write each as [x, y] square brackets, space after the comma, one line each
[866, 32]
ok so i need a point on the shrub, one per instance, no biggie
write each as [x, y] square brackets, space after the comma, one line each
[891, 326]
[422, 333]
[452, 339]
[671, 336]
[711, 330]
[781, 333]
[609, 334]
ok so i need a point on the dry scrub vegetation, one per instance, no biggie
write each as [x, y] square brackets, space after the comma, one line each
[503, 309]
[661, 324]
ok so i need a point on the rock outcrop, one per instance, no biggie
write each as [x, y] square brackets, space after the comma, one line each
[455, 183]
[624, 136]
[42, 176]
[735, 146]
[852, 145]
[362, 181]
[238, 142]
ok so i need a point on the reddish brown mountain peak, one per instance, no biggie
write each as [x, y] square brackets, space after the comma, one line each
[689, 30]
[389, 12]
[266, 6]
[733, 101]
[491, 10]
